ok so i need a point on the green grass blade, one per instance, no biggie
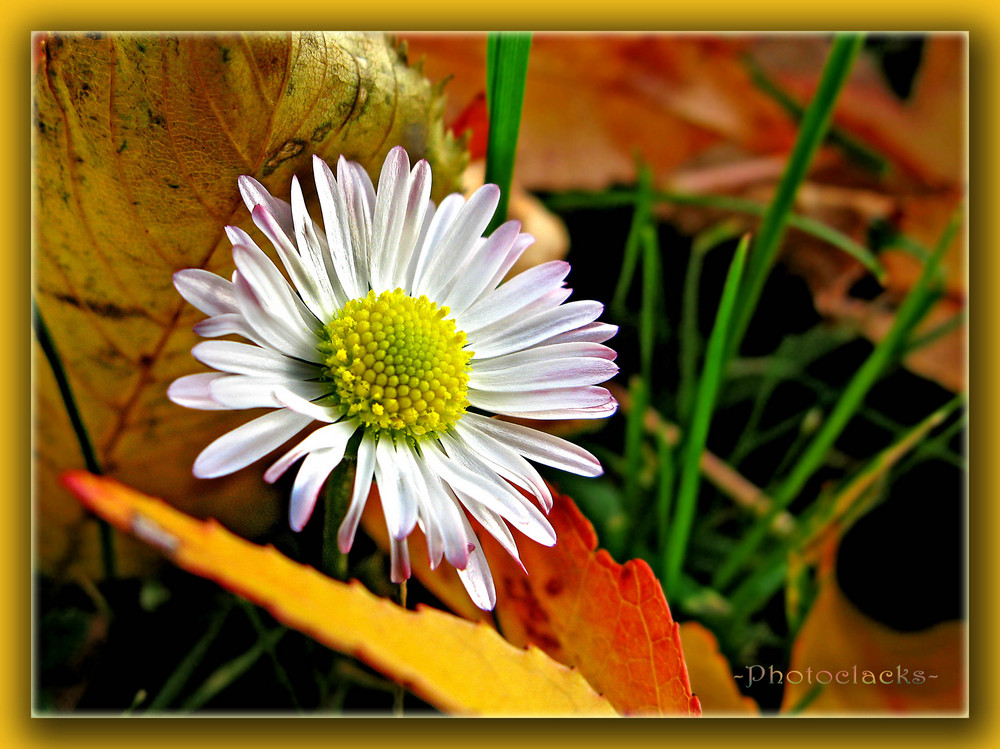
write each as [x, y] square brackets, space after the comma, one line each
[262, 634]
[850, 401]
[176, 681]
[857, 151]
[765, 581]
[51, 352]
[952, 323]
[697, 436]
[232, 670]
[665, 487]
[806, 700]
[633, 246]
[690, 338]
[651, 284]
[639, 400]
[815, 124]
[819, 230]
[506, 71]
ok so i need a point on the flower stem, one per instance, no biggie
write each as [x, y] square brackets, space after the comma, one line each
[399, 693]
[336, 498]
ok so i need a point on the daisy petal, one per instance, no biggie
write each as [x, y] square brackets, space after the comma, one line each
[194, 391]
[248, 391]
[279, 333]
[232, 323]
[341, 256]
[305, 407]
[387, 477]
[488, 490]
[246, 444]
[417, 207]
[334, 436]
[210, 293]
[313, 473]
[517, 293]
[477, 578]
[529, 520]
[535, 328]
[496, 527]
[319, 274]
[242, 358]
[255, 194]
[444, 520]
[462, 235]
[507, 462]
[389, 217]
[440, 223]
[357, 195]
[540, 447]
[268, 283]
[481, 267]
[595, 332]
[541, 354]
[523, 242]
[554, 373]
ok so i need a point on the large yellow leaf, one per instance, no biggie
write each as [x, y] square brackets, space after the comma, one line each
[456, 665]
[138, 143]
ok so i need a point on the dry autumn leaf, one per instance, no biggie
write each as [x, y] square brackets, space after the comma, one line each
[138, 143]
[873, 669]
[611, 97]
[577, 604]
[469, 669]
[711, 675]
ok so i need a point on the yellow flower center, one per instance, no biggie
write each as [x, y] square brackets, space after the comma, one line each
[397, 364]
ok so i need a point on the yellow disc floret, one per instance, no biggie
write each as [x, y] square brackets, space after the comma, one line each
[397, 364]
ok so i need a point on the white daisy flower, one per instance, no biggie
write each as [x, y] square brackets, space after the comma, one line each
[395, 325]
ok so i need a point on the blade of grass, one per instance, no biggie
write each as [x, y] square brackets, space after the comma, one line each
[45, 340]
[835, 508]
[633, 448]
[176, 681]
[907, 318]
[690, 338]
[812, 227]
[232, 670]
[697, 436]
[814, 127]
[859, 152]
[279, 671]
[664, 487]
[640, 218]
[506, 71]
[651, 284]
[952, 323]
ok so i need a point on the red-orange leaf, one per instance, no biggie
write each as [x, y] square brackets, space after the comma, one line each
[609, 620]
